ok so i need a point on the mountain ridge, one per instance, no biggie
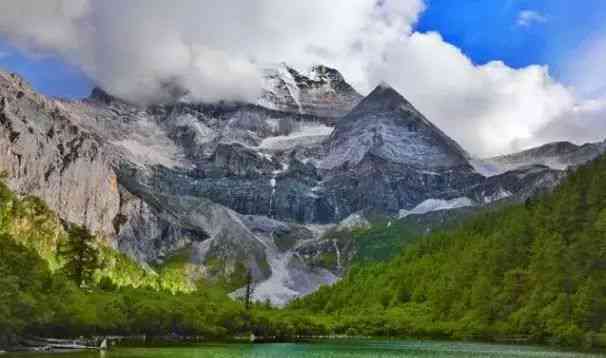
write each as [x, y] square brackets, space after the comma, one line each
[556, 155]
[241, 185]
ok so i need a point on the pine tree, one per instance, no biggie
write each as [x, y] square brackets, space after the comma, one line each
[80, 255]
[250, 290]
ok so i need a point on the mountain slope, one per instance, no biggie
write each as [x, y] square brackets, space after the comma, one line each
[40, 300]
[531, 272]
[237, 186]
[384, 124]
[386, 157]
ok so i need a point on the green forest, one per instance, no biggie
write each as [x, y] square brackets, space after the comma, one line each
[60, 281]
[533, 272]
[530, 272]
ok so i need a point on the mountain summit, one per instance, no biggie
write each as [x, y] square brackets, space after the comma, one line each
[321, 91]
[388, 126]
[383, 98]
[101, 96]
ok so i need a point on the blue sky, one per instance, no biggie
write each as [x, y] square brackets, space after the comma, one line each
[484, 30]
[49, 74]
[488, 29]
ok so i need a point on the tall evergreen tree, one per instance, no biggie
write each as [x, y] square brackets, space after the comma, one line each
[250, 290]
[80, 255]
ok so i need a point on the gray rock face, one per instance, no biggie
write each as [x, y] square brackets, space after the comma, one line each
[243, 185]
[47, 154]
[98, 165]
[385, 156]
[387, 126]
[516, 185]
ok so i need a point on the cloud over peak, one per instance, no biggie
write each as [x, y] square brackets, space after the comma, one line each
[142, 50]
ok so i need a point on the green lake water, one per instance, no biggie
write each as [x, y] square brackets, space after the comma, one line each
[354, 349]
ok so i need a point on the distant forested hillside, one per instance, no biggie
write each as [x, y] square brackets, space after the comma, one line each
[535, 271]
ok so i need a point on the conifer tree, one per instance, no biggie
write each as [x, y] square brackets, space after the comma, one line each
[80, 255]
[250, 290]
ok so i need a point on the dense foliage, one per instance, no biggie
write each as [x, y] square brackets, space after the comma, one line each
[36, 301]
[529, 272]
[42, 265]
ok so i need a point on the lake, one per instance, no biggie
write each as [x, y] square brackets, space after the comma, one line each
[328, 349]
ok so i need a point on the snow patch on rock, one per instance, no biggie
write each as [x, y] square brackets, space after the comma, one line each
[291, 85]
[307, 134]
[353, 221]
[499, 195]
[490, 167]
[430, 205]
[486, 167]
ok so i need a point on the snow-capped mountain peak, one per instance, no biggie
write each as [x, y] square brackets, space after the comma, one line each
[321, 91]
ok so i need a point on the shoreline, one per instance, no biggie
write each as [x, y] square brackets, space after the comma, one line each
[55, 345]
[106, 343]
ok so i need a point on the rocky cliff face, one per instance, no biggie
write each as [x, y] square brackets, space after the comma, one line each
[244, 186]
[46, 153]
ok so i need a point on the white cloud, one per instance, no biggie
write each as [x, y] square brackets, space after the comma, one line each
[585, 72]
[582, 123]
[487, 108]
[135, 48]
[145, 49]
[586, 68]
[527, 18]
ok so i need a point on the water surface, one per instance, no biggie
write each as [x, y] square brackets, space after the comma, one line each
[328, 349]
